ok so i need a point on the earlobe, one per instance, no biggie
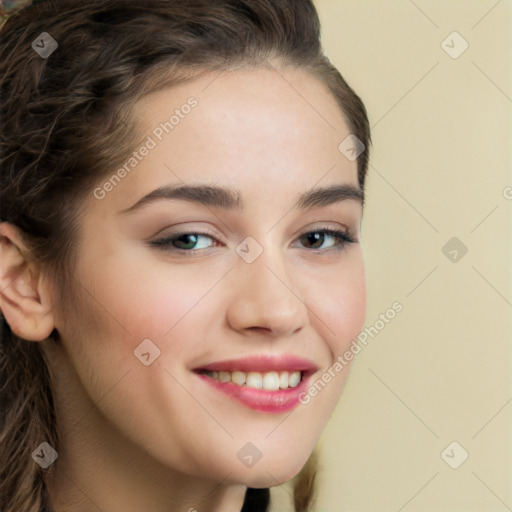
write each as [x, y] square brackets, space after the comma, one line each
[24, 300]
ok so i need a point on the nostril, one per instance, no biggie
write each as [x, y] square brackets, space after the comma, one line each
[260, 329]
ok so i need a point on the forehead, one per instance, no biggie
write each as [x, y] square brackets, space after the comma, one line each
[248, 97]
[257, 130]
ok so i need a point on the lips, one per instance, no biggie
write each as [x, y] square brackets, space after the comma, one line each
[255, 393]
[261, 364]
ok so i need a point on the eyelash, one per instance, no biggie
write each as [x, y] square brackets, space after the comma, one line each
[165, 243]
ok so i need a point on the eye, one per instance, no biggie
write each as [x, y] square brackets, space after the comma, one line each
[319, 236]
[182, 241]
[188, 243]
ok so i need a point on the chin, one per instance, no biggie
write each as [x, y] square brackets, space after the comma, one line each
[273, 474]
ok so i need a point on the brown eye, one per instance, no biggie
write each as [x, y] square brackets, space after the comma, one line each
[318, 237]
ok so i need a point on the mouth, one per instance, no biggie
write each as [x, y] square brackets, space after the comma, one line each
[262, 383]
[269, 381]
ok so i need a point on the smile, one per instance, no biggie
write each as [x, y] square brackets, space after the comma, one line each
[264, 383]
[270, 381]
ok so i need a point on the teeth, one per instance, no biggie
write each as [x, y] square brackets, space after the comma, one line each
[254, 380]
[270, 381]
[294, 379]
[238, 378]
[224, 376]
[283, 380]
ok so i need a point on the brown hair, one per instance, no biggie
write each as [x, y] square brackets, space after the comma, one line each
[66, 121]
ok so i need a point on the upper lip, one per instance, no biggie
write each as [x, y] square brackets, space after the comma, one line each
[262, 363]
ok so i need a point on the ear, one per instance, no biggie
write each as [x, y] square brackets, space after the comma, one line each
[24, 296]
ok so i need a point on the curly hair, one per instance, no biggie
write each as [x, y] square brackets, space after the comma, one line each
[67, 119]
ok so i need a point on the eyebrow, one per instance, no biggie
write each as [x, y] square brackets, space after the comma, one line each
[230, 199]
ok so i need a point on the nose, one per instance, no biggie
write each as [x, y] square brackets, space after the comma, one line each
[265, 297]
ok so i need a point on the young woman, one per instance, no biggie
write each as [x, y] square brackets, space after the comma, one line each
[182, 187]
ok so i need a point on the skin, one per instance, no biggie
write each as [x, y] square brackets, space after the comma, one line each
[155, 437]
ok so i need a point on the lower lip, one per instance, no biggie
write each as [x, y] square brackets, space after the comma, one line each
[260, 399]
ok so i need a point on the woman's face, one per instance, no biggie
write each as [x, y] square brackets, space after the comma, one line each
[244, 282]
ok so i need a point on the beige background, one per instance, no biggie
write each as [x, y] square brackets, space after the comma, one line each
[441, 370]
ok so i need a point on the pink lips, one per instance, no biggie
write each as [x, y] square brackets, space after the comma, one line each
[262, 363]
[260, 399]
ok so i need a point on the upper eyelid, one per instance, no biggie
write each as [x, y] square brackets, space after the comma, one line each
[317, 226]
[211, 234]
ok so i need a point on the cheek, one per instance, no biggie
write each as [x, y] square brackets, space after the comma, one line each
[341, 305]
[139, 302]
[141, 401]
